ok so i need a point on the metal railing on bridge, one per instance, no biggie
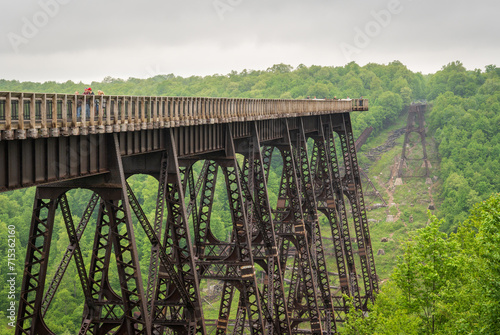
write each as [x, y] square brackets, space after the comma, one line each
[34, 115]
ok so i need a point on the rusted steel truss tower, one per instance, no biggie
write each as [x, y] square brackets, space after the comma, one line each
[273, 269]
[415, 124]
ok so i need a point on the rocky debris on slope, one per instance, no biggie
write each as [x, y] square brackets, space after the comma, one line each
[375, 153]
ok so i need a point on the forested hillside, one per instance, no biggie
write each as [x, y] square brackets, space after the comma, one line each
[463, 130]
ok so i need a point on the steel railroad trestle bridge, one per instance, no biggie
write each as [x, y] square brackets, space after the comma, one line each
[273, 269]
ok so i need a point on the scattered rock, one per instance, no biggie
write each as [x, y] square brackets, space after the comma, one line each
[398, 182]
[372, 220]
[390, 218]
[428, 181]
[381, 252]
[384, 240]
[435, 178]
[378, 205]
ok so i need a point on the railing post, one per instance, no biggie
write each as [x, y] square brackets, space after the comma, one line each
[8, 117]
[155, 120]
[21, 133]
[123, 121]
[111, 126]
[143, 109]
[92, 128]
[64, 126]
[137, 114]
[100, 114]
[44, 131]
[54, 129]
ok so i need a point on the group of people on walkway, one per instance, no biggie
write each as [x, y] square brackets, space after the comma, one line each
[87, 91]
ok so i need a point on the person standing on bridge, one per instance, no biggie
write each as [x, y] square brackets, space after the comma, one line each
[99, 93]
[88, 91]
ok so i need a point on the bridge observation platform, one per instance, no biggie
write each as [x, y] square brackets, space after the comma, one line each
[53, 137]
[33, 115]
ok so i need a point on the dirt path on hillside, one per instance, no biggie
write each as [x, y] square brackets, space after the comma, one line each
[374, 155]
[390, 188]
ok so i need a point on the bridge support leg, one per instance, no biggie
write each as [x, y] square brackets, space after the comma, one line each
[30, 320]
[273, 294]
[115, 230]
[354, 193]
[169, 310]
[331, 203]
[312, 222]
[247, 284]
[293, 227]
[154, 261]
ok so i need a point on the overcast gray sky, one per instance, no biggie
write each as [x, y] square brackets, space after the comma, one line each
[87, 40]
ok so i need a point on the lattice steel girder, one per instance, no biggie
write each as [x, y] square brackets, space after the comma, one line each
[104, 298]
[154, 260]
[225, 308]
[239, 325]
[343, 224]
[29, 319]
[177, 240]
[354, 193]
[241, 235]
[332, 205]
[259, 201]
[316, 239]
[202, 230]
[290, 192]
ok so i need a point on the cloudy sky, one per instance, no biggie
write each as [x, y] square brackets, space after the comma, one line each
[88, 40]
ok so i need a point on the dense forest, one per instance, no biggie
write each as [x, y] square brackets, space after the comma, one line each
[447, 277]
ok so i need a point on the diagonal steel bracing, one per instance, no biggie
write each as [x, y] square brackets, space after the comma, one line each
[70, 250]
